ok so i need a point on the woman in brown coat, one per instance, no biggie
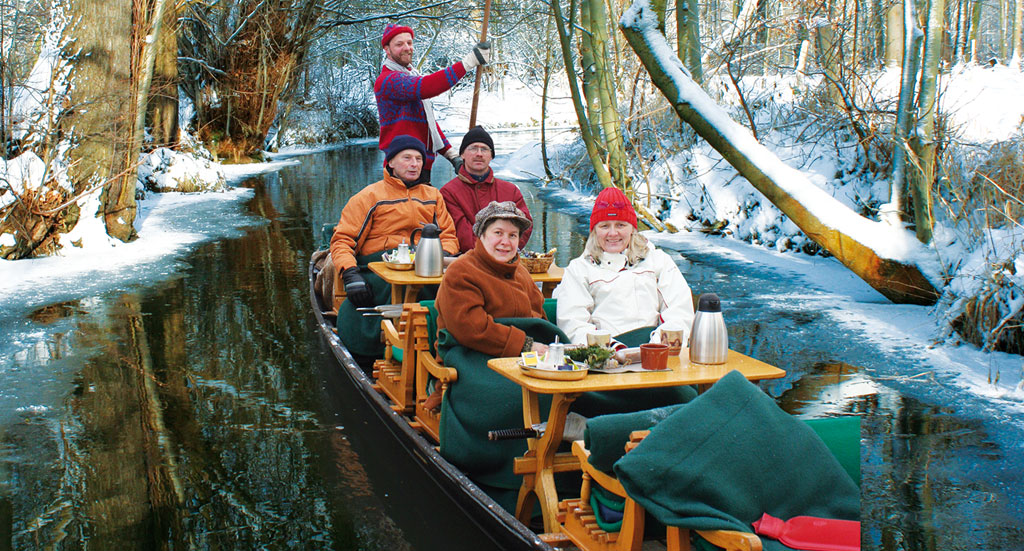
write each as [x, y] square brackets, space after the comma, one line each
[488, 282]
[483, 286]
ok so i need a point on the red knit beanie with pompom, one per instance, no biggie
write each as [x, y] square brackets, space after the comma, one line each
[392, 30]
[612, 204]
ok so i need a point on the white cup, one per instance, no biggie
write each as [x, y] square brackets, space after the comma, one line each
[671, 334]
[599, 338]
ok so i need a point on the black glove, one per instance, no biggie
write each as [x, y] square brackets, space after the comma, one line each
[457, 163]
[356, 288]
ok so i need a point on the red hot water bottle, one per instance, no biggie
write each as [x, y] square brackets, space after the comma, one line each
[811, 533]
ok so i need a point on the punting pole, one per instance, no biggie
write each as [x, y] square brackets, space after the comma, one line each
[480, 68]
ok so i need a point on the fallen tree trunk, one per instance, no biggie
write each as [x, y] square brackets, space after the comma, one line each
[874, 251]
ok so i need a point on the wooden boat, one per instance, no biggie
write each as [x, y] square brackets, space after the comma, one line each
[505, 530]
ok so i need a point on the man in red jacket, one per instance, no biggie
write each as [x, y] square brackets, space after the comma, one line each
[403, 96]
[475, 186]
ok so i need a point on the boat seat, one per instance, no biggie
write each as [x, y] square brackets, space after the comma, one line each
[338, 287]
[328, 280]
[428, 369]
[578, 520]
[395, 373]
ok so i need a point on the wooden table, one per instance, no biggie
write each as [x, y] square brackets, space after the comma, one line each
[405, 284]
[541, 460]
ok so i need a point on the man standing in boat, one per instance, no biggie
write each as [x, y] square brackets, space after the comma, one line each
[403, 96]
[474, 187]
[377, 219]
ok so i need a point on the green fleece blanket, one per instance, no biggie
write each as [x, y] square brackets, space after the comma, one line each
[361, 334]
[730, 455]
[482, 400]
[606, 435]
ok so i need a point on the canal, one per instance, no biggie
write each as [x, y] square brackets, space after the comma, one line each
[196, 408]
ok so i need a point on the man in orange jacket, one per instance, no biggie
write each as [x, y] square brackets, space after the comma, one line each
[377, 219]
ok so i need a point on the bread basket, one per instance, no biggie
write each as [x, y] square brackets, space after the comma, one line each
[536, 263]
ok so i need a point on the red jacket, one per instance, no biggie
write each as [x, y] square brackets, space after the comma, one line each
[464, 197]
[475, 290]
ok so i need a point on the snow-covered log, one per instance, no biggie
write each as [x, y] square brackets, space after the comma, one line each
[888, 258]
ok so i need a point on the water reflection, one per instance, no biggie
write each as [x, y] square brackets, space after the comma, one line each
[203, 412]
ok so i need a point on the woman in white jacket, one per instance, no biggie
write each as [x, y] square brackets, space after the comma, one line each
[621, 283]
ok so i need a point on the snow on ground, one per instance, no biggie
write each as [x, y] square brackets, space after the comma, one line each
[909, 329]
[101, 260]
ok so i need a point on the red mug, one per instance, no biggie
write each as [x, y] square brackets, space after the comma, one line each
[654, 356]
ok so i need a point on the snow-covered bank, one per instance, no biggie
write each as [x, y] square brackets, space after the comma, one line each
[101, 262]
[904, 329]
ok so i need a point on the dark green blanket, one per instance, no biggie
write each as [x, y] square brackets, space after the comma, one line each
[361, 334]
[482, 400]
[606, 435]
[730, 455]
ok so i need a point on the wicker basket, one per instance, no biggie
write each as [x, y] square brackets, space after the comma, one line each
[537, 265]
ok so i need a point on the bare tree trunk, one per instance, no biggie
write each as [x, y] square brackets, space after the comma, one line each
[150, 44]
[163, 98]
[589, 71]
[894, 36]
[896, 280]
[1018, 20]
[688, 33]
[975, 33]
[1004, 11]
[600, 171]
[905, 110]
[828, 54]
[544, 102]
[610, 124]
[923, 142]
[103, 83]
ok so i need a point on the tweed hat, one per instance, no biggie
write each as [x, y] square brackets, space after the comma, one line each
[612, 204]
[505, 210]
[401, 143]
[392, 30]
[477, 134]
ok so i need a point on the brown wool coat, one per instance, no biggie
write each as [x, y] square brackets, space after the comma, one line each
[475, 290]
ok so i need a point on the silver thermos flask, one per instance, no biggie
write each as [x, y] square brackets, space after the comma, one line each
[428, 252]
[709, 340]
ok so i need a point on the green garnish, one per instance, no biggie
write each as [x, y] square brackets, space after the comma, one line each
[594, 356]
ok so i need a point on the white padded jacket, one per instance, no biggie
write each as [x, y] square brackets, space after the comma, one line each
[614, 297]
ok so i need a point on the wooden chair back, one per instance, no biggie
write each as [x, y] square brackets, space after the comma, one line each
[428, 369]
[395, 373]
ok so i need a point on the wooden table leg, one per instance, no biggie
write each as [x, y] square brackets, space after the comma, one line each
[411, 291]
[548, 288]
[541, 483]
[396, 294]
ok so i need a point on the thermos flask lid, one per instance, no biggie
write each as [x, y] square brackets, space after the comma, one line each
[709, 302]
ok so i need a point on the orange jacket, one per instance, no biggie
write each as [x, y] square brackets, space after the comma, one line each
[383, 214]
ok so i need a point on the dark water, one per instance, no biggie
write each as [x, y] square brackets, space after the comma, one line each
[202, 412]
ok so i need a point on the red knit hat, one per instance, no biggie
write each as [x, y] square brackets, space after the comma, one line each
[612, 204]
[392, 30]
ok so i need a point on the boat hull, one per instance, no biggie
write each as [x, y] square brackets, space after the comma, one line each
[502, 527]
